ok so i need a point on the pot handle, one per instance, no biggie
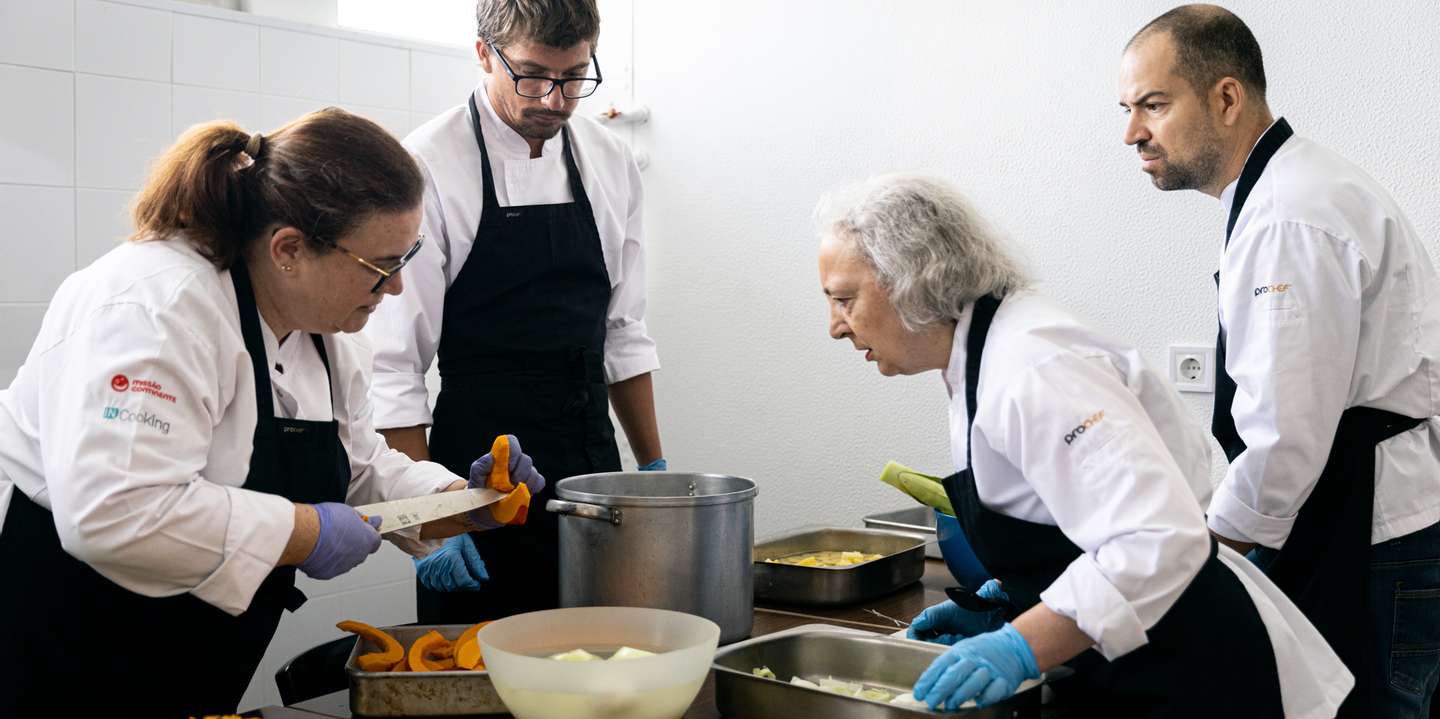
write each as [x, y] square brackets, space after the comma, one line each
[586, 511]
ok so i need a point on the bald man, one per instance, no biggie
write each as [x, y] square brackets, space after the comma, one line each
[1327, 383]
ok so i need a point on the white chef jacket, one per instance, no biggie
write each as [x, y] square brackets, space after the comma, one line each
[1329, 301]
[1073, 430]
[144, 475]
[405, 330]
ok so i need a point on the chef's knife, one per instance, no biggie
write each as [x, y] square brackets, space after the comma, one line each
[401, 513]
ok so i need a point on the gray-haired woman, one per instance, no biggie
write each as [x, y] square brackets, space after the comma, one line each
[1080, 482]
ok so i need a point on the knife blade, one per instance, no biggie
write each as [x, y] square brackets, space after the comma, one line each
[401, 513]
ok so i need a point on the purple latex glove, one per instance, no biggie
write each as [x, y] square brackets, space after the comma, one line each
[343, 542]
[522, 471]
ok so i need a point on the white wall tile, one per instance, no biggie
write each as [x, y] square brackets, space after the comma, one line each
[374, 75]
[39, 33]
[37, 127]
[438, 82]
[297, 64]
[123, 40]
[216, 53]
[193, 105]
[396, 121]
[22, 325]
[276, 111]
[102, 221]
[40, 227]
[120, 126]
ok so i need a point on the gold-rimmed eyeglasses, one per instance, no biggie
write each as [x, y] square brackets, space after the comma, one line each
[384, 272]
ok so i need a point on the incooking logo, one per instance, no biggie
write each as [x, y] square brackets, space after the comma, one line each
[146, 418]
[1089, 422]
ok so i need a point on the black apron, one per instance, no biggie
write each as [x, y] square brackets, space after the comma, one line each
[1209, 656]
[81, 645]
[521, 352]
[1324, 566]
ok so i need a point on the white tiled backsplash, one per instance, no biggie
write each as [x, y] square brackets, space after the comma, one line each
[94, 89]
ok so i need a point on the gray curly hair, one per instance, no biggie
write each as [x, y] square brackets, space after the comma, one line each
[930, 249]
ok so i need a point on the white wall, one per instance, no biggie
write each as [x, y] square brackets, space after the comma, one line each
[760, 106]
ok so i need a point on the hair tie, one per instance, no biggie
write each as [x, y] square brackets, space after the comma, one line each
[254, 146]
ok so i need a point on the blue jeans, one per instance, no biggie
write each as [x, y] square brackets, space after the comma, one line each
[1405, 625]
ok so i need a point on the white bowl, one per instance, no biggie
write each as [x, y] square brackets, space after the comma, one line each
[533, 686]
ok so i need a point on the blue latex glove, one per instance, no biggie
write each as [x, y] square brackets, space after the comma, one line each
[986, 668]
[658, 465]
[454, 567]
[522, 471]
[947, 622]
[344, 541]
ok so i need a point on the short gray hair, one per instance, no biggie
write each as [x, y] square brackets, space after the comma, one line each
[557, 23]
[931, 250]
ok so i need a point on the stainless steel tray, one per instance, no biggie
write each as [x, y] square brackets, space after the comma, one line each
[919, 521]
[395, 694]
[873, 660]
[902, 562]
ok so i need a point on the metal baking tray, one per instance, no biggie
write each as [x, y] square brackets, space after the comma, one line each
[902, 562]
[876, 661]
[397, 694]
[919, 521]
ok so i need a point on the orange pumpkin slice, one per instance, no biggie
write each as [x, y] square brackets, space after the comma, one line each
[467, 649]
[500, 471]
[390, 652]
[430, 653]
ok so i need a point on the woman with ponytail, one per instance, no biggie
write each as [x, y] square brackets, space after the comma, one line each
[192, 423]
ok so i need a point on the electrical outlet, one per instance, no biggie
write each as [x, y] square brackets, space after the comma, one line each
[1192, 368]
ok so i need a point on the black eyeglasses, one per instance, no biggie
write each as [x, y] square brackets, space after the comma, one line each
[538, 86]
[385, 273]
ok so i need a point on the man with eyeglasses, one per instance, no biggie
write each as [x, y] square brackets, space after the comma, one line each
[530, 291]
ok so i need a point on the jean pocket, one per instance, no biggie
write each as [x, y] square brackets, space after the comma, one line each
[1415, 638]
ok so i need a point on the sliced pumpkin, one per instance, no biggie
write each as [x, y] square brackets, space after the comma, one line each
[431, 653]
[500, 471]
[514, 508]
[390, 652]
[467, 649]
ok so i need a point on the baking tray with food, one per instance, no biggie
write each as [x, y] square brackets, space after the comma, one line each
[413, 671]
[868, 563]
[840, 675]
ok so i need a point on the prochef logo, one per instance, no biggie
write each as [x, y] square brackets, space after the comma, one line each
[121, 383]
[1272, 289]
[1089, 422]
[147, 419]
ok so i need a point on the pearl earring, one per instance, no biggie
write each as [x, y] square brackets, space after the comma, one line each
[287, 268]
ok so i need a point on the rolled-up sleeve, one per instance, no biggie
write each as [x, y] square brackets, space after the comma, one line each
[629, 350]
[1087, 448]
[125, 470]
[1290, 299]
[405, 329]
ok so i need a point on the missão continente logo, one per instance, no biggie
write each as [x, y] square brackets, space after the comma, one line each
[1089, 422]
[147, 419]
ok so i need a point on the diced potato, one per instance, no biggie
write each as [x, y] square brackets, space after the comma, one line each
[575, 655]
[630, 653]
[763, 672]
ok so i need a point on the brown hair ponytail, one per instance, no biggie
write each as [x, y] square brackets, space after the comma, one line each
[322, 174]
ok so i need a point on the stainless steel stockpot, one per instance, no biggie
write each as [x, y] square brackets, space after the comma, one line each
[666, 540]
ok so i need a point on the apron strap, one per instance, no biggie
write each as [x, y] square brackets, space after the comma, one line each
[984, 313]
